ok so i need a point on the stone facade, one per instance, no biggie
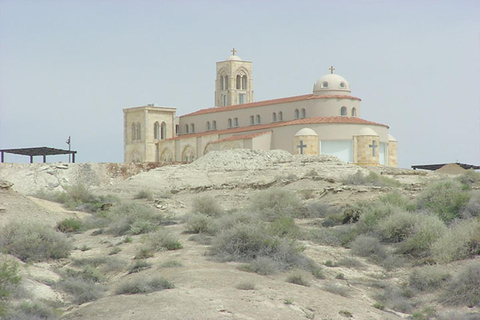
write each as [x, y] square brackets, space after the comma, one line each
[326, 121]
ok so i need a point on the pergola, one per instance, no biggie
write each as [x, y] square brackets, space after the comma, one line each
[438, 166]
[37, 151]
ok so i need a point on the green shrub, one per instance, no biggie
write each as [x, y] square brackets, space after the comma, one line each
[396, 298]
[162, 239]
[139, 265]
[319, 209]
[34, 242]
[446, 198]
[133, 218]
[115, 250]
[470, 177]
[336, 289]
[428, 278]
[263, 266]
[207, 205]
[297, 277]
[394, 198]
[372, 179]
[143, 285]
[346, 234]
[69, 225]
[171, 264]
[284, 226]
[398, 226]
[463, 289]
[82, 291]
[372, 213]
[105, 264]
[245, 286]
[143, 253]
[89, 273]
[461, 241]
[472, 209]
[200, 223]
[31, 311]
[427, 230]
[144, 194]
[9, 280]
[274, 202]
[350, 263]
[365, 246]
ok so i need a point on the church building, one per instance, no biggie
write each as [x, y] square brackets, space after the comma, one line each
[326, 121]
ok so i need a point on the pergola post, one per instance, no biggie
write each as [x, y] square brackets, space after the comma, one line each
[73, 157]
[31, 159]
[2, 157]
[44, 158]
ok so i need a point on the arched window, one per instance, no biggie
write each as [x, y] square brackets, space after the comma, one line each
[177, 128]
[186, 128]
[274, 117]
[229, 123]
[259, 120]
[342, 84]
[239, 82]
[224, 100]
[252, 120]
[244, 82]
[280, 116]
[192, 128]
[304, 113]
[214, 125]
[156, 130]
[224, 82]
[163, 131]
[343, 111]
[325, 84]
[208, 125]
[235, 122]
[354, 112]
[297, 114]
[139, 131]
[134, 132]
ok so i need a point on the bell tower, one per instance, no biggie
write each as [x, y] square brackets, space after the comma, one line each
[234, 83]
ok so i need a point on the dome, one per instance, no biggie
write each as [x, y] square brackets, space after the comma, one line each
[234, 58]
[331, 84]
[306, 132]
[368, 132]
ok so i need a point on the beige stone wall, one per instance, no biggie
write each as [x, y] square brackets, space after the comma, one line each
[311, 143]
[393, 153]
[262, 142]
[363, 153]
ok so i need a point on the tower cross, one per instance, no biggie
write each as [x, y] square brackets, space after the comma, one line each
[331, 69]
[234, 51]
[301, 146]
[374, 147]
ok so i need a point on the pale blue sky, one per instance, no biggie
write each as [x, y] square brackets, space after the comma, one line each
[70, 67]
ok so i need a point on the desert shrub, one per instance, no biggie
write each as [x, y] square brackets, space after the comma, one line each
[34, 242]
[455, 315]
[9, 279]
[200, 223]
[395, 198]
[275, 202]
[31, 311]
[323, 236]
[89, 273]
[463, 289]
[446, 198]
[115, 250]
[81, 290]
[143, 253]
[366, 246]
[396, 298]
[319, 209]
[162, 239]
[207, 205]
[133, 218]
[428, 278]
[284, 226]
[144, 194]
[246, 242]
[306, 194]
[138, 266]
[143, 285]
[372, 213]
[470, 177]
[425, 314]
[398, 226]
[297, 277]
[372, 179]
[351, 263]
[472, 209]
[171, 264]
[461, 241]
[346, 234]
[69, 225]
[427, 230]
[246, 285]
[106, 264]
[262, 265]
[336, 289]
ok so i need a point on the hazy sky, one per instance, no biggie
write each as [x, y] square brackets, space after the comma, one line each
[68, 68]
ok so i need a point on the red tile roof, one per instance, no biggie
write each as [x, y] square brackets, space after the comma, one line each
[269, 102]
[242, 136]
[316, 120]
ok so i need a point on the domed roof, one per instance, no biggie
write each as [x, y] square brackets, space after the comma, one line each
[368, 132]
[331, 84]
[234, 58]
[306, 132]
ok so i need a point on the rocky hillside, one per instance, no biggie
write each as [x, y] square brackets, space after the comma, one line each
[240, 234]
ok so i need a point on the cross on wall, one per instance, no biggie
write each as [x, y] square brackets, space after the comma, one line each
[374, 147]
[301, 146]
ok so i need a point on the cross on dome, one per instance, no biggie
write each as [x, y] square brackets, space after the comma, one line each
[234, 51]
[331, 69]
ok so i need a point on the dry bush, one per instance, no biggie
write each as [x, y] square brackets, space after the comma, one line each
[455, 315]
[69, 225]
[82, 290]
[472, 209]
[144, 194]
[171, 264]
[275, 202]
[428, 278]
[285, 227]
[31, 311]
[143, 285]
[133, 218]
[395, 198]
[207, 205]
[372, 179]
[461, 241]
[262, 265]
[398, 226]
[319, 209]
[446, 198]
[34, 242]
[351, 263]
[464, 287]
[246, 285]
[336, 289]
[163, 239]
[396, 298]
[138, 266]
[298, 277]
[200, 223]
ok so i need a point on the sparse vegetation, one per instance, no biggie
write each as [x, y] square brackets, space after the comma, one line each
[428, 278]
[273, 203]
[82, 289]
[144, 194]
[372, 179]
[142, 285]
[34, 242]
[9, 279]
[162, 239]
[69, 225]
[464, 287]
[171, 264]
[133, 218]
[246, 285]
[298, 277]
[139, 265]
[207, 205]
